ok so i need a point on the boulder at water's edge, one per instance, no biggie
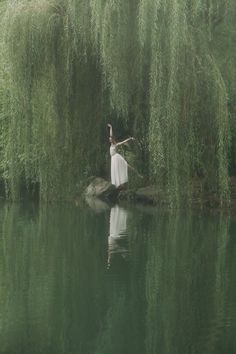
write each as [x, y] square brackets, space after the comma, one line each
[100, 188]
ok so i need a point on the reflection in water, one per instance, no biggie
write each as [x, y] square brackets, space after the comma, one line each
[97, 205]
[186, 295]
[117, 240]
[177, 296]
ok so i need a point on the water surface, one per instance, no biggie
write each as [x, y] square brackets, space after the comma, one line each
[100, 280]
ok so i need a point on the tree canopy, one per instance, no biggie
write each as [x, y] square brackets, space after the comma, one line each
[161, 69]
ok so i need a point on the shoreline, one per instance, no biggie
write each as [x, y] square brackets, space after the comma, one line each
[151, 195]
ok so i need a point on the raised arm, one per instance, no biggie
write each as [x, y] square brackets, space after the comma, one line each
[110, 127]
[125, 141]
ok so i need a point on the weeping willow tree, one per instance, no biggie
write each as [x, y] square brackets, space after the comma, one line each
[189, 121]
[153, 67]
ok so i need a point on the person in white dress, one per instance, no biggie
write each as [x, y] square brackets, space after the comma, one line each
[119, 166]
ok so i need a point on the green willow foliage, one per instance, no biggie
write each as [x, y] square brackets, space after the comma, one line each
[156, 66]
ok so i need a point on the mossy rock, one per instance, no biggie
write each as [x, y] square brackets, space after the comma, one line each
[100, 188]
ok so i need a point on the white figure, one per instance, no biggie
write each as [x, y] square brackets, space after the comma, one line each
[119, 166]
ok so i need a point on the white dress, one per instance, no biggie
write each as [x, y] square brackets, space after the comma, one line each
[119, 168]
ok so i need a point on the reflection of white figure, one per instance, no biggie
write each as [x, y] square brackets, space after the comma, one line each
[118, 224]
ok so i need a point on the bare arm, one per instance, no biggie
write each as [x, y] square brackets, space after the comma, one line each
[110, 127]
[125, 141]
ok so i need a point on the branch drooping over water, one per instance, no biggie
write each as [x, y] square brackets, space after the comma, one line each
[153, 64]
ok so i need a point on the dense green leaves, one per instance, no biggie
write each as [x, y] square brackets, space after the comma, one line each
[157, 69]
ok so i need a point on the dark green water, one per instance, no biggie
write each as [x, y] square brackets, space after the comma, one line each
[112, 281]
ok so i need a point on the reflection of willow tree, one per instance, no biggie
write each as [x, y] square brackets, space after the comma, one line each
[186, 285]
[157, 65]
[54, 293]
[51, 280]
[115, 332]
[222, 316]
[123, 329]
[175, 290]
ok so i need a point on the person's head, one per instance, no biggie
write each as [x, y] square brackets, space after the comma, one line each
[112, 140]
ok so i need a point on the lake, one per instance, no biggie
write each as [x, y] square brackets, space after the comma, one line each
[81, 279]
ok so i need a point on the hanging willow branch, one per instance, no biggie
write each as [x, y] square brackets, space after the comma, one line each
[155, 64]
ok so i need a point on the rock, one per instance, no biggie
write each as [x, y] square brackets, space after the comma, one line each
[126, 195]
[100, 188]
